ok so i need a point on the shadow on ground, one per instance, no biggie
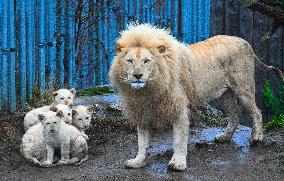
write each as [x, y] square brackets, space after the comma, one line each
[112, 141]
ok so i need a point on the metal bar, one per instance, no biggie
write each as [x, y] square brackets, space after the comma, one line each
[42, 58]
[12, 66]
[4, 74]
[22, 53]
[30, 52]
[52, 49]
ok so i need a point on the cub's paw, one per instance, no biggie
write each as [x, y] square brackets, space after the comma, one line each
[35, 161]
[133, 163]
[177, 165]
[222, 138]
[63, 162]
[46, 164]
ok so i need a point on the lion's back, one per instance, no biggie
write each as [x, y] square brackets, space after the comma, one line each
[220, 45]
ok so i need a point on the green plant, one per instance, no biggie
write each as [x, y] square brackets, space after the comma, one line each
[274, 101]
[278, 122]
[99, 90]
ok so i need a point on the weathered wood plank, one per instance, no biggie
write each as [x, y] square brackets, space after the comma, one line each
[232, 18]
[246, 24]
[261, 24]
[275, 52]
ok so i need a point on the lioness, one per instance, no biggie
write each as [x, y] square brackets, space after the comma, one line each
[159, 78]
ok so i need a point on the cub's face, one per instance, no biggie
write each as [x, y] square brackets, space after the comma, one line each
[138, 64]
[50, 121]
[66, 112]
[64, 96]
[82, 116]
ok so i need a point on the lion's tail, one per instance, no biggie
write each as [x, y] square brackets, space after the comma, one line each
[264, 67]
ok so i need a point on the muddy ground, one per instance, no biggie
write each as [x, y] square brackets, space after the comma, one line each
[112, 141]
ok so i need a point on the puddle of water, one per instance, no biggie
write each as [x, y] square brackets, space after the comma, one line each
[244, 156]
[158, 149]
[159, 168]
[219, 163]
[109, 98]
[240, 138]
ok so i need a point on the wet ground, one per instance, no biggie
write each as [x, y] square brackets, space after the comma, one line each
[112, 141]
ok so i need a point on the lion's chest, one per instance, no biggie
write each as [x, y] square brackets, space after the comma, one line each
[156, 110]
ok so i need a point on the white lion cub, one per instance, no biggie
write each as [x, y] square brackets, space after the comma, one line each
[59, 135]
[62, 96]
[82, 116]
[40, 141]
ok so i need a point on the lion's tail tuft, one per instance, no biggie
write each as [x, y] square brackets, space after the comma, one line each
[264, 67]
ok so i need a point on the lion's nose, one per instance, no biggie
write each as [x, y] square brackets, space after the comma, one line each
[137, 76]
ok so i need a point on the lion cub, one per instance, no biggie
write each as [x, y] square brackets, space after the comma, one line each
[40, 141]
[62, 96]
[82, 116]
[59, 135]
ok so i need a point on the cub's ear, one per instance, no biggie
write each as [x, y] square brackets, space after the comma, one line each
[60, 114]
[54, 109]
[162, 49]
[54, 94]
[73, 91]
[41, 117]
[74, 112]
[118, 48]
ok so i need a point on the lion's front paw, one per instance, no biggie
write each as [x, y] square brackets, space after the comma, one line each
[222, 138]
[257, 137]
[177, 164]
[134, 163]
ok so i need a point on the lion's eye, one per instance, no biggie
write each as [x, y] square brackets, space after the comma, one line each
[130, 60]
[146, 60]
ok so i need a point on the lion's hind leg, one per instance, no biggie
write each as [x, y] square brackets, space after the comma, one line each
[250, 105]
[231, 108]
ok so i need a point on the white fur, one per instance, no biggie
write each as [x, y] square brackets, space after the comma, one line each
[39, 142]
[31, 117]
[82, 116]
[64, 96]
[137, 85]
[143, 144]
[33, 147]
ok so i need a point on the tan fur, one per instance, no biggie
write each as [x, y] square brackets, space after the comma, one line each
[179, 77]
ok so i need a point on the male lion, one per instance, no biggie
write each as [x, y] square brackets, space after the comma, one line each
[160, 78]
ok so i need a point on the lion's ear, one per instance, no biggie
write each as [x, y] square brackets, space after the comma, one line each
[162, 49]
[118, 48]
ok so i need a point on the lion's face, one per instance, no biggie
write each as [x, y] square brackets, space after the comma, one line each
[138, 64]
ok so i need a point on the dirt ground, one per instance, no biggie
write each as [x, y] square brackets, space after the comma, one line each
[112, 141]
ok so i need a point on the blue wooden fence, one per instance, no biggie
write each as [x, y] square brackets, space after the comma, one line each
[51, 44]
